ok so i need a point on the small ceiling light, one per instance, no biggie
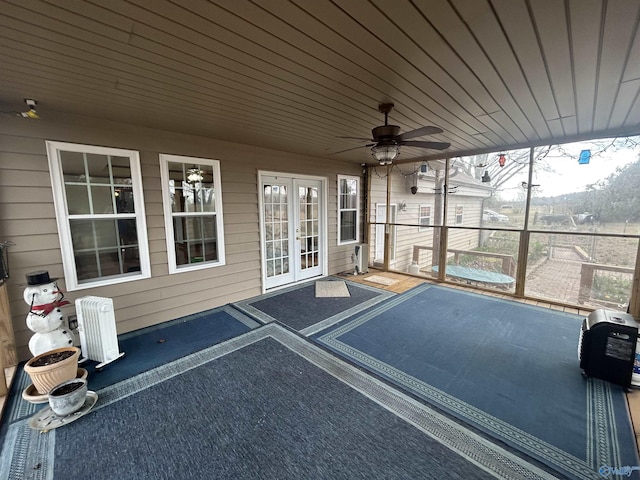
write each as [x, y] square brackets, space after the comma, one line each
[502, 159]
[194, 175]
[424, 167]
[385, 154]
[31, 113]
[486, 178]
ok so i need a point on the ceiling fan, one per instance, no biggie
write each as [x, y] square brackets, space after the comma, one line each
[387, 139]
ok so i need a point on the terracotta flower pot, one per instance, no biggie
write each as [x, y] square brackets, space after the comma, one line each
[49, 368]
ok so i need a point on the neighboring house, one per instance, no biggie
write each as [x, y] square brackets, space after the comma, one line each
[425, 207]
[135, 227]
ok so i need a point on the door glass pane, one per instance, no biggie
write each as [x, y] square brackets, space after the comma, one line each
[276, 229]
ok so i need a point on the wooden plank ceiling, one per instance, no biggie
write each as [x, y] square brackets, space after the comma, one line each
[296, 75]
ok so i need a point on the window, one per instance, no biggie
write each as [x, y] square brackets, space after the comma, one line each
[348, 209]
[192, 201]
[100, 213]
[459, 210]
[424, 219]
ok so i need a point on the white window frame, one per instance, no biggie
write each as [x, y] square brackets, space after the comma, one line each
[424, 228]
[357, 210]
[63, 217]
[169, 214]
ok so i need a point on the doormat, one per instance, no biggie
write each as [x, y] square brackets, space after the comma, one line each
[381, 280]
[332, 289]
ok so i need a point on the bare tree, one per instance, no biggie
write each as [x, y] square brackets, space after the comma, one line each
[517, 161]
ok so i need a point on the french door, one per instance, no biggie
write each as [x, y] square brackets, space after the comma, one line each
[293, 229]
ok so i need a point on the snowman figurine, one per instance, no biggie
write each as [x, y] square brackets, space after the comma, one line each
[45, 317]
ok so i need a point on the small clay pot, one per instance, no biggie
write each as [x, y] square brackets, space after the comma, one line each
[68, 397]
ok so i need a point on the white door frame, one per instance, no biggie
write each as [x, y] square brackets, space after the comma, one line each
[293, 199]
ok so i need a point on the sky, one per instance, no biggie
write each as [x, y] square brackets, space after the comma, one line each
[570, 176]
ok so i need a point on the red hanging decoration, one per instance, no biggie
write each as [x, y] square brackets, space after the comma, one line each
[502, 159]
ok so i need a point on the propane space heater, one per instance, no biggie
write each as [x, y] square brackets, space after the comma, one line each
[607, 346]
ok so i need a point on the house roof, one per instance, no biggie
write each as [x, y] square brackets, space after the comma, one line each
[296, 75]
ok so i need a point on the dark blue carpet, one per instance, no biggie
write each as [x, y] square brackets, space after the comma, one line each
[147, 348]
[150, 347]
[265, 405]
[298, 308]
[507, 368]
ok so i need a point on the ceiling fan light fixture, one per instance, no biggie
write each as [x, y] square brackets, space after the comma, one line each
[31, 113]
[385, 154]
[194, 175]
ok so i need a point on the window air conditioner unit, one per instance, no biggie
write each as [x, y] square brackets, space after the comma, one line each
[361, 258]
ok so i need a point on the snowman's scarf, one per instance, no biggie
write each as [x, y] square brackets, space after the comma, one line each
[46, 308]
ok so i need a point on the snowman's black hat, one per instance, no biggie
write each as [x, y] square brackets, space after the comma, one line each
[41, 277]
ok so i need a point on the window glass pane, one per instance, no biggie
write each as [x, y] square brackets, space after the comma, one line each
[77, 199]
[130, 259]
[195, 252]
[207, 176]
[347, 209]
[182, 253]
[208, 199]
[73, 166]
[127, 232]
[199, 199]
[193, 228]
[124, 200]
[102, 199]
[82, 234]
[109, 262]
[176, 172]
[87, 266]
[106, 233]
[121, 167]
[209, 227]
[96, 264]
[211, 251]
[176, 194]
[196, 239]
[98, 166]
[348, 226]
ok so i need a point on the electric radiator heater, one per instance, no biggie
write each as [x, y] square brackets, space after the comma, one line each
[361, 258]
[97, 328]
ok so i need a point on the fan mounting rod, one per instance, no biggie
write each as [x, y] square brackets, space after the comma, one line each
[386, 133]
[386, 109]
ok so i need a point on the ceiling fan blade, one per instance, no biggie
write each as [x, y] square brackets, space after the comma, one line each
[424, 144]
[359, 138]
[419, 132]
